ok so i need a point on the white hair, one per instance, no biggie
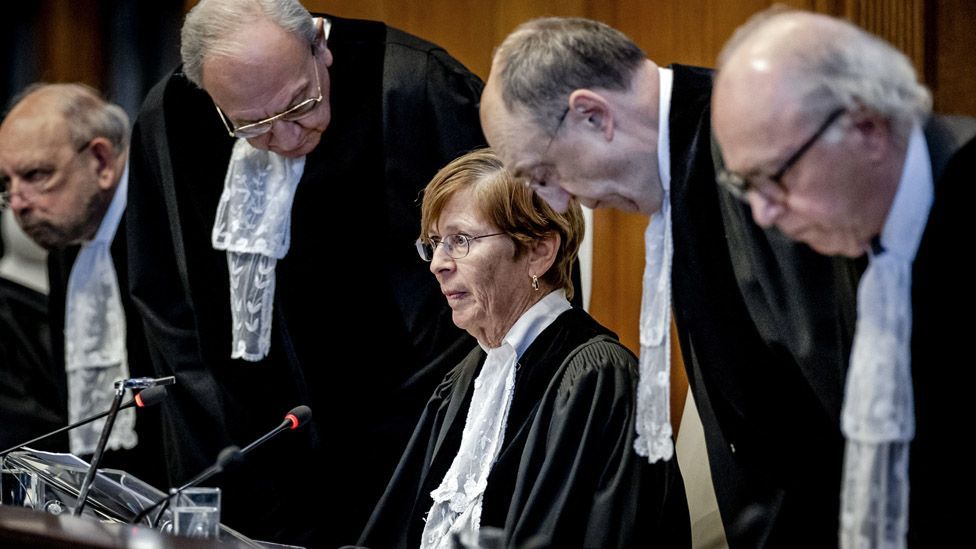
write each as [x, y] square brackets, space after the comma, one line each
[219, 28]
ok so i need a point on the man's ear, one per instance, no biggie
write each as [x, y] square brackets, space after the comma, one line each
[873, 129]
[106, 165]
[591, 110]
[321, 42]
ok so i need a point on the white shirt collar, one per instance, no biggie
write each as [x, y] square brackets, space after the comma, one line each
[666, 77]
[535, 320]
[909, 213]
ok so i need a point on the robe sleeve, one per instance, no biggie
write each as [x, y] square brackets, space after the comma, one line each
[581, 483]
[158, 281]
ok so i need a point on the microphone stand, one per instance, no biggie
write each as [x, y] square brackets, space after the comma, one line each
[113, 412]
[148, 399]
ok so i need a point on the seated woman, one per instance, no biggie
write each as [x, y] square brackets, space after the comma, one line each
[532, 434]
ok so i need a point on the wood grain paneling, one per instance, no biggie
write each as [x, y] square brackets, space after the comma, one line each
[72, 41]
[950, 68]
[937, 36]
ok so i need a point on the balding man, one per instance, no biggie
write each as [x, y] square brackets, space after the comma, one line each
[63, 155]
[828, 136]
[764, 325]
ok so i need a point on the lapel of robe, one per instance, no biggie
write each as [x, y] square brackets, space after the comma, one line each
[453, 418]
[698, 229]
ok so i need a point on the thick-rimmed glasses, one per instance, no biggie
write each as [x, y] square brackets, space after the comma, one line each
[292, 114]
[35, 182]
[740, 185]
[456, 245]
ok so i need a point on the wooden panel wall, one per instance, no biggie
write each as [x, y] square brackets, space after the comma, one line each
[72, 43]
[936, 35]
[688, 32]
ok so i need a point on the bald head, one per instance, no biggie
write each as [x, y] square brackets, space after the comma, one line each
[81, 110]
[62, 153]
[822, 63]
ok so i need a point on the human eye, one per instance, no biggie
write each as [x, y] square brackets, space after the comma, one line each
[457, 240]
[300, 110]
[37, 175]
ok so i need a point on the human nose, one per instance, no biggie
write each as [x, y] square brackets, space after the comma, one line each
[557, 197]
[765, 211]
[441, 260]
[15, 197]
[284, 134]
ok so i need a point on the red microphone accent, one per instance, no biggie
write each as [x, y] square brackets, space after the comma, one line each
[139, 402]
[293, 420]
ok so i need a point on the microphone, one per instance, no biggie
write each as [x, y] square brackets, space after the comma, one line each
[149, 397]
[113, 413]
[227, 456]
[297, 417]
[144, 382]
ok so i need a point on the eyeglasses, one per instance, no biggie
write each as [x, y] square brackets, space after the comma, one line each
[456, 245]
[536, 183]
[34, 182]
[555, 132]
[740, 185]
[292, 114]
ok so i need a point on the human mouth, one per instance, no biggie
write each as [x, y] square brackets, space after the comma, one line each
[454, 296]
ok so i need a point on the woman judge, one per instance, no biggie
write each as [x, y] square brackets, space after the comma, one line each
[532, 434]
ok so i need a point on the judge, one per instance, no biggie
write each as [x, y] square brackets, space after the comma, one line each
[764, 324]
[63, 159]
[531, 434]
[249, 303]
[845, 156]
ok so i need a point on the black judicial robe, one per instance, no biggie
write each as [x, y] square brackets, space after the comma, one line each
[401, 109]
[765, 327]
[145, 460]
[943, 298]
[567, 474]
[33, 397]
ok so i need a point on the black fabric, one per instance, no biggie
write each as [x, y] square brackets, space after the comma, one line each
[33, 398]
[145, 460]
[765, 327]
[943, 293]
[567, 474]
[401, 109]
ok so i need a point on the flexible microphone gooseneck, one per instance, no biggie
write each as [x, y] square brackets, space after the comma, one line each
[297, 417]
[227, 456]
[149, 397]
[113, 412]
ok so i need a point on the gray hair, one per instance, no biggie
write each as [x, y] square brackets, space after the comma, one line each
[87, 114]
[840, 64]
[219, 28]
[544, 60]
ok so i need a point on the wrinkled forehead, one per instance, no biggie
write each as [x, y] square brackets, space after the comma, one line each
[266, 59]
[515, 137]
[756, 108]
[29, 136]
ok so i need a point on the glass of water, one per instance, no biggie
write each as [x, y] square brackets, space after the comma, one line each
[196, 513]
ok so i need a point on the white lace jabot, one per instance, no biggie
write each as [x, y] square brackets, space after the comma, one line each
[878, 417]
[94, 335]
[457, 500]
[253, 225]
[654, 387]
